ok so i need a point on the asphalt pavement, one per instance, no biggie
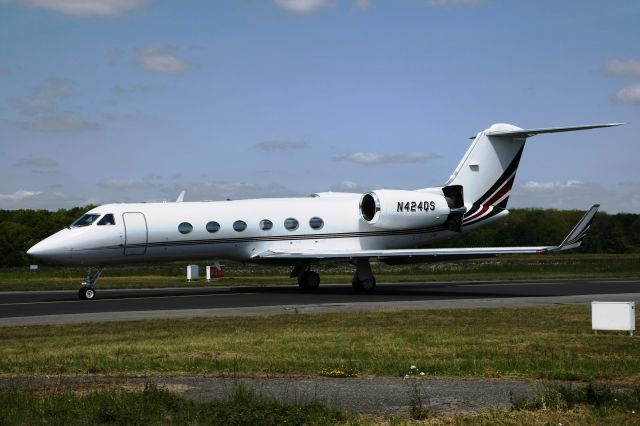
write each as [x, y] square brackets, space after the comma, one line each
[44, 307]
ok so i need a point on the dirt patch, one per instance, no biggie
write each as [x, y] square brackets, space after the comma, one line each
[367, 395]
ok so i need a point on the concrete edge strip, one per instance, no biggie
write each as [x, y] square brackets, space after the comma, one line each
[316, 308]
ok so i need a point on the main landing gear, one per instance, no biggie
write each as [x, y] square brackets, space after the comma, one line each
[363, 280]
[87, 291]
[307, 279]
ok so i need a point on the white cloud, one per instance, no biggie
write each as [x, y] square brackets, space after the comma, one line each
[281, 145]
[34, 104]
[19, 196]
[29, 199]
[447, 3]
[364, 4]
[56, 88]
[629, 94]
[350, 186]
[37, 162]
[160, 58]
[133, 88]
[40, 109]
[43, 98]
[545, 186]
[574, 194]
[372, 158]
[87, 8]
[58, 122]
[627, 67]
[222, 190]
[120, 184]
[303, 7]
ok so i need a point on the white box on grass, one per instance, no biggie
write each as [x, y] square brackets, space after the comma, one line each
[193, 271]
[618, 316]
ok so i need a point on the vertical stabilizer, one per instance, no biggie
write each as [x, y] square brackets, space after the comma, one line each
[487, 171]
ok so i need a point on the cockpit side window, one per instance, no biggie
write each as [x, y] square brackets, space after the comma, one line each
[107, 219]
[85, 220]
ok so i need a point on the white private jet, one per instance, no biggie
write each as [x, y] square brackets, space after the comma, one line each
[391, 225]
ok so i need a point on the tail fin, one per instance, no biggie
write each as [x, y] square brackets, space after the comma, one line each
[488, 169]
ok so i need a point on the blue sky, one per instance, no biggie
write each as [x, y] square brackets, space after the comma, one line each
[135, 100]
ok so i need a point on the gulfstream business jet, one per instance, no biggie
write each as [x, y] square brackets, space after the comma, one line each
[394, 226]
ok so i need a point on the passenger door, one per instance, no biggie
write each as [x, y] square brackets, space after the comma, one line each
[135, 233]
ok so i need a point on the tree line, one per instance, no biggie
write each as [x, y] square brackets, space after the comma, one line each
[618, 233]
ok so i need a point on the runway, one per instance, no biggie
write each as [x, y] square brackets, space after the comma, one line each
[25, 308]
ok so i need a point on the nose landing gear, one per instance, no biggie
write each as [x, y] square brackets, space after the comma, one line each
[87, 291]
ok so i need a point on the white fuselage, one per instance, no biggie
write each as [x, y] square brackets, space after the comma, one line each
[148, 232]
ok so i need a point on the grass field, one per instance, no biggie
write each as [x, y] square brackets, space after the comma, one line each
[538, 343]
[546, 343]
[174, 274]
[558, 405]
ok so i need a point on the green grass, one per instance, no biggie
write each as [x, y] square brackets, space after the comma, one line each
[243, 406]
[547, 343]
[174, 274]
[153, 406]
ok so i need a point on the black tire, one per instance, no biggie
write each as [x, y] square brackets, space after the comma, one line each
[89, 294]
[369, 285]
[366, 286]
[302, 280]
[86, 293]
[357, 285]
[309, 280]
[313, 280]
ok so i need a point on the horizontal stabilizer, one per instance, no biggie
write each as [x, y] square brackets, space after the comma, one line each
[526, 133]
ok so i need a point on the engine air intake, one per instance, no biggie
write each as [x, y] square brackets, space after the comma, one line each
[369, 206]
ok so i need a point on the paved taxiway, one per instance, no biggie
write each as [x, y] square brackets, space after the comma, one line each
[24, 308]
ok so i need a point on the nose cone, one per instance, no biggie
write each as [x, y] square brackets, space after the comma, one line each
[50, 249]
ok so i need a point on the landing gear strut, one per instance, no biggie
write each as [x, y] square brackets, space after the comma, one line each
[87, 291]
[363, 280]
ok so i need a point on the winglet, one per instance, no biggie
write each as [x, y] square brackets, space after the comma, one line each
[181, 197]
[575, 237]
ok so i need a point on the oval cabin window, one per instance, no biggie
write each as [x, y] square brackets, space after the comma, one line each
[213, 226]
[185, 228]
[239, 225]
[316, 223]
[266, 224]
[291, 224]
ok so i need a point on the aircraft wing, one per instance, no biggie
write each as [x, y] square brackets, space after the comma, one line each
[572, 240]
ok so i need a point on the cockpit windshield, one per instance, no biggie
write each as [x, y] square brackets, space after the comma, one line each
[107, 219]
[85, 220]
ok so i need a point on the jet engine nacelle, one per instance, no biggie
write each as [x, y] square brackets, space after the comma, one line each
[397, 209]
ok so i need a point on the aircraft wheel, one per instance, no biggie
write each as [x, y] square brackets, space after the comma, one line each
[86, 293]
[369, 285]
[365, 286]
[357, 285]
[309, 280]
